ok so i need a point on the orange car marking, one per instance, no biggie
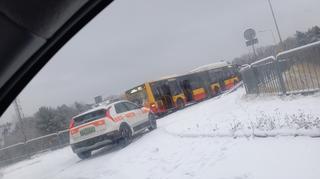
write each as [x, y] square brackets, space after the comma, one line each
[126, 115]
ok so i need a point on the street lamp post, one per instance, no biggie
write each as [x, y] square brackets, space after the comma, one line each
[276, 24]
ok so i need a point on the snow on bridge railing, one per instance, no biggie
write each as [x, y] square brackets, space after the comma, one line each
[292, 71]
[296, 51]
[263, 61]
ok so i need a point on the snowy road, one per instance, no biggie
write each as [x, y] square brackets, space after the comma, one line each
[197, 143]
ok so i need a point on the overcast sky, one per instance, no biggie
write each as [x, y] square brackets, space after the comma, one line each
[133, 41]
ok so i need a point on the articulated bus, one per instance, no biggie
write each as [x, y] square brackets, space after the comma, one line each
[173, 93]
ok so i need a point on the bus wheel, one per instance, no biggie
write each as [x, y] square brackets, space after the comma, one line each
[216, 91]
[180, 104]
[235, 82]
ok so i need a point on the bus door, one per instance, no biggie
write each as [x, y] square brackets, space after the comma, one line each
[198, 90]
[193, 88]
[159, 106]
[162, 96]
[204, 81]
[187, 89]
[166, 96]
[221, 80]
[177, 94]
[230, 77]
[214, 82]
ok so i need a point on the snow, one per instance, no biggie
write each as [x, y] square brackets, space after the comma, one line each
[201, 142]
[235, 115]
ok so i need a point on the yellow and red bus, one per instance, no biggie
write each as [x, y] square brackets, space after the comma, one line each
[175, 92]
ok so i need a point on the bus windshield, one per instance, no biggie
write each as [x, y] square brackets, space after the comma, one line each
[137, 95]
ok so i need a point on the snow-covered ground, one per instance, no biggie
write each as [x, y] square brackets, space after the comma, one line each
[237, 115]
[213, 139]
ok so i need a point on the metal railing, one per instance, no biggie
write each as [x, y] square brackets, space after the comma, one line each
[292, 71]
[21, 151]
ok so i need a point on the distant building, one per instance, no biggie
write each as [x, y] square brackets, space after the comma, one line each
[98, 99]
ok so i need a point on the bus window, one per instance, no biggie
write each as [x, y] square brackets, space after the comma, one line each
[187, 89]
[234, 72]
[156, 92]
[226, 74]
[195, 82]
[174, 88]
[219, 75]
[213, 76]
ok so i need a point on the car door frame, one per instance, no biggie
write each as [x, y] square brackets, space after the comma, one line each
[140, 114]
[142, 120]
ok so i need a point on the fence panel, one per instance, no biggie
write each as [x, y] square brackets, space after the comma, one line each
[12, 153]
[267, 75]
[63, 137]
[300, 68]
[249, 80]
[261, 77]
[42, 144]
[21, 151]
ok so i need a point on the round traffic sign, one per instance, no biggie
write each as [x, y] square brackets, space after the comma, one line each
[249, 34]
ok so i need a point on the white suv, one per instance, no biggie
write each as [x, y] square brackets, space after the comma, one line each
[108, 124]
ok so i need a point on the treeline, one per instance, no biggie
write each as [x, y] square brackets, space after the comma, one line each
[45, 121]
[299, 39]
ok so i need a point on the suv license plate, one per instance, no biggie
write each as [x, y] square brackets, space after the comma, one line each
[87, 131]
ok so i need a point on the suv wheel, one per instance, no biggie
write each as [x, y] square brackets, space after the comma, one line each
[152, 122]
[84, 155]
[125, 136]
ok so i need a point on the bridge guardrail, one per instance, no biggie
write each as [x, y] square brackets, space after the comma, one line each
[292, 71]
[21, 151]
